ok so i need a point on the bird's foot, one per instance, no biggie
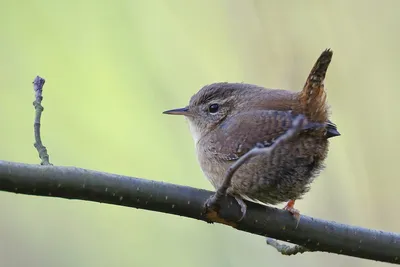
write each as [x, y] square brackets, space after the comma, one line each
[213, 204]
[295, 213]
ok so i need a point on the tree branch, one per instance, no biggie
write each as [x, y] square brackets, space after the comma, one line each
[314, 234]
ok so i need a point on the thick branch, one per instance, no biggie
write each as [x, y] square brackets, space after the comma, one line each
[313, 234]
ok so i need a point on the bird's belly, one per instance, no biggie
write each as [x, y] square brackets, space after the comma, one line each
[284, 176]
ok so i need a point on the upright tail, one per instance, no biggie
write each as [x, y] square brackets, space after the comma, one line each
[313, 96]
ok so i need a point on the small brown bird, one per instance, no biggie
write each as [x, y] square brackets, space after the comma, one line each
[229, 119]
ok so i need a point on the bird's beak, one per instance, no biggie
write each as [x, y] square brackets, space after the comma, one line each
[178, 111]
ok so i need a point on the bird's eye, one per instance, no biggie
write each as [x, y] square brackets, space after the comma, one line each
[213, 108]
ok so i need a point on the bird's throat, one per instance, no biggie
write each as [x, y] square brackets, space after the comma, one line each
[194, 130]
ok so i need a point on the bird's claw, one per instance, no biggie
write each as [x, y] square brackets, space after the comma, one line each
[213, 204]
[243, 207]
[295, 213]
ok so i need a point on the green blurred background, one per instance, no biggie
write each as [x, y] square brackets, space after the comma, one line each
[112, 67]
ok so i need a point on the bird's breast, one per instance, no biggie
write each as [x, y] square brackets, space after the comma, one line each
[212, 166]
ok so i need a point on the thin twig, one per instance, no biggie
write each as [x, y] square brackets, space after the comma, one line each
[38, 88]
[297, 126]
[285, 249]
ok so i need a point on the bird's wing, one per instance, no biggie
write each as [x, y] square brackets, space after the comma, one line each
[242, 132]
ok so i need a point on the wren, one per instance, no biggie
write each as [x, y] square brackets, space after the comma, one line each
[227, 120]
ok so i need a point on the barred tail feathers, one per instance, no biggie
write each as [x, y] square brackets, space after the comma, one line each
[313, 95]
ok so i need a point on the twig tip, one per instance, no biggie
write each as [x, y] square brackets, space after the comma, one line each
[38, 83]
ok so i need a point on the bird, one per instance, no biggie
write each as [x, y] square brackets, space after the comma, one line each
[227, 120]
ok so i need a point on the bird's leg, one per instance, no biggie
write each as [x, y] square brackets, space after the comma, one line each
[290, 208]
[214, 200]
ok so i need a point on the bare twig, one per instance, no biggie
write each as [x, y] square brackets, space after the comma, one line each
[297, 126]
[285, 249]
[38, 88]
[314, 234]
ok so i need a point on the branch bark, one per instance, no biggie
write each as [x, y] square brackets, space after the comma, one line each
[313, 234]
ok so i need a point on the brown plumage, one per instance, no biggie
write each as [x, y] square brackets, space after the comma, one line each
[313, 96]
[229, 119]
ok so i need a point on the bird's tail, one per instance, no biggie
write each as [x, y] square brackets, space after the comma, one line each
[313, 96]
